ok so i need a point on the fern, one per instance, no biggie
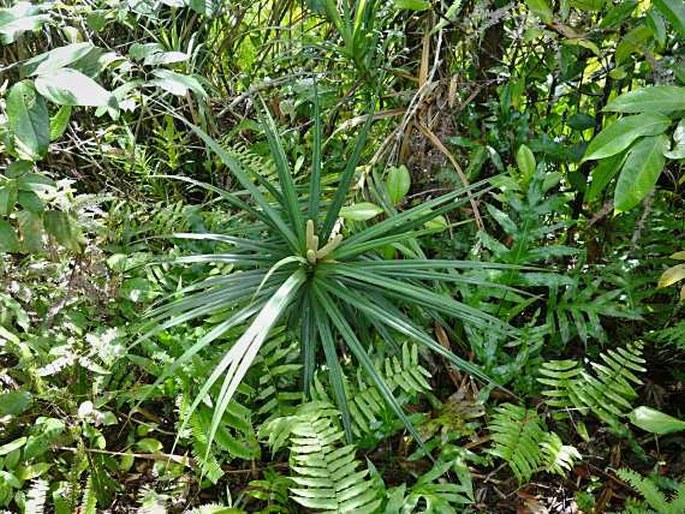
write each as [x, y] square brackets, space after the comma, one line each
[558, 457]
[521, 440]
[35, 498]
[654, 498]
[607, 391]
[405, 377]
[89, 499]
[517, 433]
[278, 366]
[327, 473]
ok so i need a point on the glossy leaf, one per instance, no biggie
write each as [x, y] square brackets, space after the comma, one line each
[54, 60]
[71, 87]
[663, 99]
[601, 175]
[398, 183]
[620, 135]
[525, 160]
[640, 171]
[20, 18]
[674, 12]
[177, 83]
[362, 211]
[655, 422]
[28, 120]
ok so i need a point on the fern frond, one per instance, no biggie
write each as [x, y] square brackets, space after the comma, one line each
[35, 498]
[405, 377]
[606, 390]
[556, 456]
[326, 472]
[647, 488]
[517, 433]
[89, 501]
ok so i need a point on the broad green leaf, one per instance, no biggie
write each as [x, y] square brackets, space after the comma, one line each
[525, 160]
[18, 168]
[672, 275]
[655, 422]
[139, 51]
[60, 226]
[601, 175]
[31, 228]
[8, 197]
[633, 42]
[9, 243]
[362, 211]
[59, 122]
[617, 14]
[71, 87]
[640, 171]
[30, 201]
[20, 18]
[50, 62]
[653, 99]
[28, 120]
[674, 12]
[620, 135]
[14, 402]
[541, 9]
[656, 23]
[163, 58]
[413, 5]
[11, 446]
[398, 183]
[176, 83]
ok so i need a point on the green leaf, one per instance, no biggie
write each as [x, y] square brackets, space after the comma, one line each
[22, 17]
[362, 211]
[60, 226]
[71, 87]
[9, 243]
[54, 60]
[30, 201]
[8, 197]
[602, 174]
[640, 172]
[31, 227]
[541, 9]
[14, 402]
[588, 5]
[655, 421]
[674, 12]
[619, 135]
[28, 121]
[14, 445]
[413, 5]
[176, 83]
[59, 122]
[634, 41]
[162, 58]
[661, 99]
[18, 168]
[525, 160]
[398, 183]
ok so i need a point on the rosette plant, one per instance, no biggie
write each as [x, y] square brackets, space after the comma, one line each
[290, 266]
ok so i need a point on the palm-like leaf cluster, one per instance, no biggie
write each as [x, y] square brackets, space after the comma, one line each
[289, 264]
